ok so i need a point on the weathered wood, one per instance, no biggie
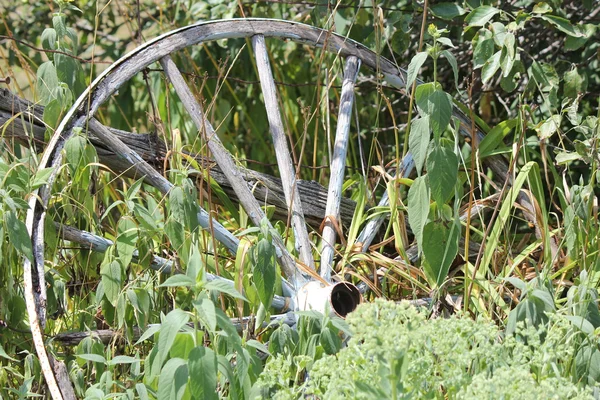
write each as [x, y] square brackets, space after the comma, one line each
[338, 166]
[282, 152]
[230, 169]
[21, 121]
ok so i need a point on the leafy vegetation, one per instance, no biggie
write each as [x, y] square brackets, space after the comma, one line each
[498, 223]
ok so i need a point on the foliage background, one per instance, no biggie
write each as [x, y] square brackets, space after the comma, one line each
[526, 72]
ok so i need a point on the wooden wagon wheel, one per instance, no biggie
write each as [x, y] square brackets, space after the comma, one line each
[159, 50]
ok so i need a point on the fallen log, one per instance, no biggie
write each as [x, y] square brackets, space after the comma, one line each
[22, 121]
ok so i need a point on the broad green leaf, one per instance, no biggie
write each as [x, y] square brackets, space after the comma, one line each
[202, 363]
[172, 323]
[74, 149]
[92, 357]
[194, 265]
[173, 380]
[47, 82]
[483, 47]
[481, 15]
[413, 68]
[224, 287]
[418, 208]
[433, 101]
[490, 67]
[17, 233]
[48, 39]
[258, 346]
[182, 345]
[563, 25]
[176, 234]
[206, 312]
[127, 238]
[176, 204]
[565, 157]
[178, 280]
[112, 281]
[58, 23]
[447, 10]
[123, 360]
[418, 141]
[69, 71]
[573, 84]
[330, 342]
[442, 173]
[541, 8]
[264, 271]
[446, 42]
[549, 127]
[440, 246]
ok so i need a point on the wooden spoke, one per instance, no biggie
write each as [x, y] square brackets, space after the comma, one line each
[284, 158]
[338, 166]
[225, 160]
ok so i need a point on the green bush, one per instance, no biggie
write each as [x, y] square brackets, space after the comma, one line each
[397, 352]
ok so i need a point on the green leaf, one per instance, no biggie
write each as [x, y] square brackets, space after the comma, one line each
[127, 238]
[563, 25]
[573, 84]
[172, 323]
[265, 271]
[17, 233]
[452, 61]
[442, 173]
[149, 332]
[41, 177]
[178, 280]
[92, 357]
[495, 137]
[483, 47]
[58, 23]
[47, 82]
[549, 127]
[4, 355]
[123, 360]
[541, 8]
[433, 101]
[48, 39]
[418, 208]
[418, 141]
[481, 15]
[226, 287]
[112, 281]
[440, 246]
[74, 151]
[447, 11]
[202, 363]
[413, 68]
[330, 341]
[258, 346]
[206, 312]
[173, 380]
[490, 67]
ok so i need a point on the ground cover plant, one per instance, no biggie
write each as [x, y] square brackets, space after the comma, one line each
[493, 235]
